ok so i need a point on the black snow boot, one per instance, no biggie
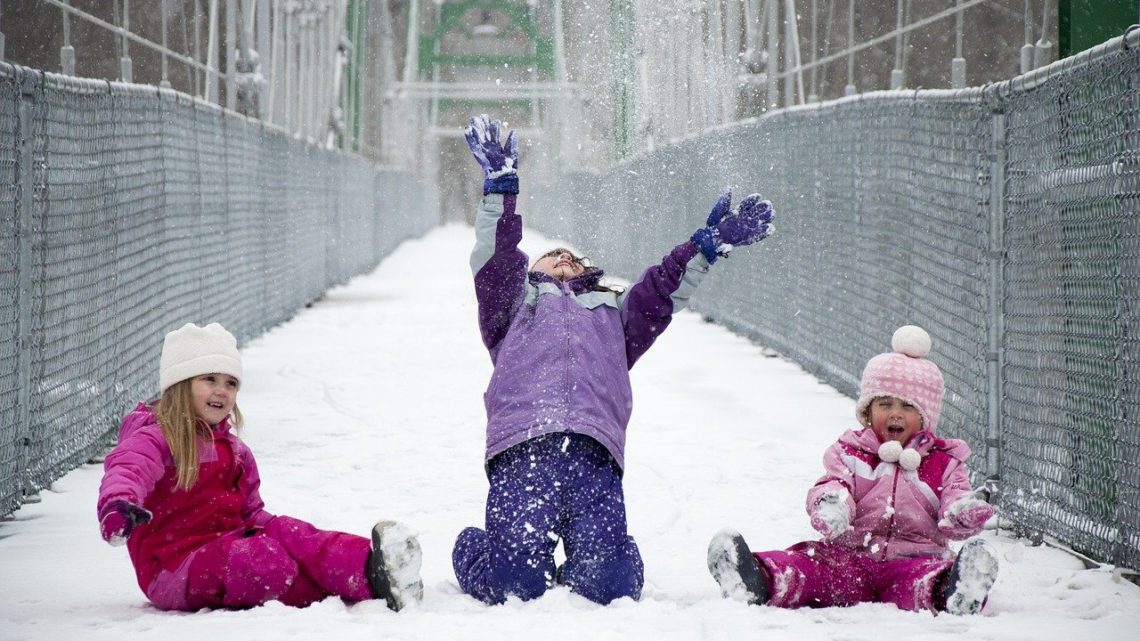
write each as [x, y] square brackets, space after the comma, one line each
[970, 578]
[735, 569]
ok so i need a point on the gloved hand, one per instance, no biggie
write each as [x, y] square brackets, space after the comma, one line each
[499, 161]
[749, 223]
[830, 516]
[965, 517]
[119, 519]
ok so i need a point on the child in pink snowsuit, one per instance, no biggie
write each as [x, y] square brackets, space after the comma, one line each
[892, 497]
[181, 489]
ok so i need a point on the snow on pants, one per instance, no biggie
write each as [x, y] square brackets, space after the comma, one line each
[554, 486]
[819, 574]
[288, 560]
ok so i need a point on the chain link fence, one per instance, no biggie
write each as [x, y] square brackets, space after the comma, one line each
[1001, 219]
[127, 211]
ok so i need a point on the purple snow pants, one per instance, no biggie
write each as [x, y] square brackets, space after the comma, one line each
[554, 486]
[288, 560]
[819, 574]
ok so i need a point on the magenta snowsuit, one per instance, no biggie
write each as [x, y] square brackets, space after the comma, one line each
[214, 545]
[895, 551]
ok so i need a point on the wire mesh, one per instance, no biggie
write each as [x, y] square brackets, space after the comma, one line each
[1071, 315]
[1009, 211]
[127, 211]
[10, 447]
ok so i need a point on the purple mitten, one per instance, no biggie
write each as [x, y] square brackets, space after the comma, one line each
[721, 209]
[706, 238]
[498, 160]
[748, 225]
[725, 229]
[965, 517]
[119, 518]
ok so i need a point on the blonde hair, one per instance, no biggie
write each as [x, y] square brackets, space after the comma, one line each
[183, 429]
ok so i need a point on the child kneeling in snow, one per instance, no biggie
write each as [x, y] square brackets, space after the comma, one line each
[559, 400]
[182, 490]
[893, 494]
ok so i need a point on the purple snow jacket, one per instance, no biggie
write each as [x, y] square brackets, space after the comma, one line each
[562, 351]
[224, 502]
[895, 512]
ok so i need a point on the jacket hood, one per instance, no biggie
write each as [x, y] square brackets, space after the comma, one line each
[583, 282]
[140, 417]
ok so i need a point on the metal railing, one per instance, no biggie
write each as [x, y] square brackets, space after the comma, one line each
[1005, 220]
[284, 62]
[120, 206]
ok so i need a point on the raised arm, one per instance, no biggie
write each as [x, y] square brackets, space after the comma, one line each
[497, 264]
[664, 289]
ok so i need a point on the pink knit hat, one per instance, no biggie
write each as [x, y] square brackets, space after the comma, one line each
[905, 374]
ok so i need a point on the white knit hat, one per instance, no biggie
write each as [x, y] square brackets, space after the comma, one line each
[905, 374]
[191, 351]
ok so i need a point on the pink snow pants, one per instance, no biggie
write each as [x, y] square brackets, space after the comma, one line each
[289, 561]
[819, 574]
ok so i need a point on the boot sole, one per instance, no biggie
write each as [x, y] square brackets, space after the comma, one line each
[971, 578]
[396, 552]
[735, 569]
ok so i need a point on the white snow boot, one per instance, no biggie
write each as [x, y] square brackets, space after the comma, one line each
[970, 578]
[735, 569]
[394, 565]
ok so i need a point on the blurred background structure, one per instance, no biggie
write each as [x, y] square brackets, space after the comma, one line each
[585, 82]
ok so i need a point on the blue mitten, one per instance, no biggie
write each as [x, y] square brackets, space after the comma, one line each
[499, 161]
[725, 229]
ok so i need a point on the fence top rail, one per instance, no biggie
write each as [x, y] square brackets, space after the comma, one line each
[968, 95]
[91, 86]
[1129, 40]
[78, 85]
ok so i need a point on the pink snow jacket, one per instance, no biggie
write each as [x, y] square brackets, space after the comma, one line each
[895, 512]
[224, 502]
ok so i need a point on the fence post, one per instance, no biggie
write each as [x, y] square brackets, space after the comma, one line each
[126, 68]
[26, 238]
[995, 357]
[67, 52]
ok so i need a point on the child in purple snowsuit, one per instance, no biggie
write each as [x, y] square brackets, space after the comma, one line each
[181, 489]
[893, 495]
[559, 399]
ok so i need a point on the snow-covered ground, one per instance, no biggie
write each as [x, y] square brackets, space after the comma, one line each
[369, 405]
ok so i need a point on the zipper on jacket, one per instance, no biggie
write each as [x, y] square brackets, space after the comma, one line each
[891, 523]
[568, 299]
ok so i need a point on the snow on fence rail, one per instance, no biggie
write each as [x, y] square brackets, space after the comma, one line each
[126, 211]
[1003, 219]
